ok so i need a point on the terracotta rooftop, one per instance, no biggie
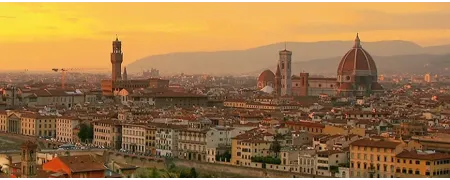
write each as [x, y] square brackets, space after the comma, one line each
[376, 144]
[82, 163]
[423, 155]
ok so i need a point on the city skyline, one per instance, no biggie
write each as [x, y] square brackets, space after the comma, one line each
[79, 34]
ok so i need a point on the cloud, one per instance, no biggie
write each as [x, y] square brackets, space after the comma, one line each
[377, 21]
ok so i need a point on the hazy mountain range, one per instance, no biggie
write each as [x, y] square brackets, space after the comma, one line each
[313, 57]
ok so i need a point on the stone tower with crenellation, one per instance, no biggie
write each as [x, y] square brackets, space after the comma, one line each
[116, 60]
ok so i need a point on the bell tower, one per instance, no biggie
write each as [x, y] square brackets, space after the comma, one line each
[286, 72]
[28, 159]
[116, 60]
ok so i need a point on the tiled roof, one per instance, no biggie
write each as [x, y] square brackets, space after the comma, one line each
[305, 124]
[376, 144]
[82, 163]
[423, 156]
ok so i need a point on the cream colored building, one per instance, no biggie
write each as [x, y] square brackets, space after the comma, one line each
[37, 125]
[192, 142]
[3, 120]
[65, 128]
[13, 122]
[108, 133]
[166, 139]
[133, 137]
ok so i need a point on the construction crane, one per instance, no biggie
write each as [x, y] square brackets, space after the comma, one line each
[64, 70]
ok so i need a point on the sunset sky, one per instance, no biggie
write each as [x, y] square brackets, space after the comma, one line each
[47, 35]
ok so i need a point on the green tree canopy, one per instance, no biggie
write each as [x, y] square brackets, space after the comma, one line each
[86, 133]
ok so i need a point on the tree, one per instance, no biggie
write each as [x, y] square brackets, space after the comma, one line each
[154, 173]
[193, 173]
[184, 174]
[225, 156]
[276, 146]
[86, 133]
[149, 173]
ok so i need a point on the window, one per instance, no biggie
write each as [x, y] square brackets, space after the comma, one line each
[417, 162]
[417, 172]
[427, 163]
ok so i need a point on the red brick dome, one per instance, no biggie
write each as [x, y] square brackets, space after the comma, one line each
[266, 76]
[356, 60]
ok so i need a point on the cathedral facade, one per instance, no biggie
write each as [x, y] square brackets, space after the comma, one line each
[356, 76]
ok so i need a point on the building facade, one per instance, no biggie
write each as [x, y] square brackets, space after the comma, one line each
[372, 158]
[107, 133]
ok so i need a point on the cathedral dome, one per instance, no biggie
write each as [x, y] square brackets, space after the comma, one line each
[266, 76]
[357, 60]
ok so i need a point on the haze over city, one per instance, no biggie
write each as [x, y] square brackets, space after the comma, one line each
[225, 90]
[47, 35]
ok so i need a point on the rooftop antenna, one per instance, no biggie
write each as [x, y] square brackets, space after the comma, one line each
[285, 45]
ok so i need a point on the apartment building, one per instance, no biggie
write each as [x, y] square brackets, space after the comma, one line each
[33, 124]
[108, 133]
[311, 127]
[326, 160]
[150, 140]
[166, 139]
[219, 140]
[133, 137]
[422, 164]
[192, 141]
[250, 144]
[373, 158]
[65, 128]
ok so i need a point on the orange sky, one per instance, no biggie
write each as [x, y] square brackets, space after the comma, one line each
[47, 35]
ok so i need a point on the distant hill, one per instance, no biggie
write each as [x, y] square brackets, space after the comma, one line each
[314, 57]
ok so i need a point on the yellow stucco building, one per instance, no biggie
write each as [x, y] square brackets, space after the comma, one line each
[373, 158]
[422, 164]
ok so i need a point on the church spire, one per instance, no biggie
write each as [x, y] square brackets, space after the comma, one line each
[357, 41]
[125, 76]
